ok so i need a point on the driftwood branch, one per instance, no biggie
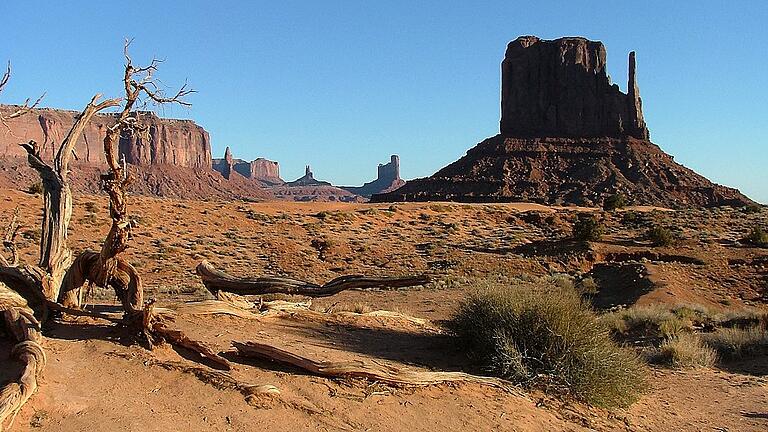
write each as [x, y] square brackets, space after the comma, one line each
[216, 280]
[361, 369]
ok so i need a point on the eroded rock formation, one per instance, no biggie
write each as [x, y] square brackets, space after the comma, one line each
[560, 88]
[166, 141]
[308, 179]
[262, 170]
[387, 180]
[568, 136]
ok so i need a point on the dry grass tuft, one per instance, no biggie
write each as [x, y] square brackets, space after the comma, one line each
[687, 351]
[547, 336]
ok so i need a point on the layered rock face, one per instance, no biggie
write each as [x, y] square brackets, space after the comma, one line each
[179, 143]
[568, 136]
[560, 88]
[262, 170]
[387, 180]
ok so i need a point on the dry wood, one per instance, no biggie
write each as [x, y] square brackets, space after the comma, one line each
[19, 319]
[216, 280]
[9, 241]
[359, 369]
[178, 338]
[21, 110]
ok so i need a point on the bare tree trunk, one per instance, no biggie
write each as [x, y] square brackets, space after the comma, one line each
[55, 255]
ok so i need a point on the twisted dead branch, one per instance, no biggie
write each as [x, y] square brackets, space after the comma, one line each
[19, 319]
[360, 369]
[21, 110]
[216, 280]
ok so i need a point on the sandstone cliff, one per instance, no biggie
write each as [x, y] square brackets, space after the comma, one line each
[168, 142]
[560, 88]
[262, 170]
[568, 136]
[387, 180]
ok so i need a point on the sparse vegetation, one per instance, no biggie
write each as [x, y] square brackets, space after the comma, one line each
[35, 188]
[739, 342]
[615, 202]
[758, 237]
[752, 209]
[660, 236]
[587, 228]
[547, 336]
[687, 351]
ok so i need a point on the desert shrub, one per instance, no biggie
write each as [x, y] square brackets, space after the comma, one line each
[752, 209]
[758, 237]
[440, 208]
[655, 321]
[547, 336]
[32, 234]
[674, 326]
[587, 228]
[35, 188]
[738, 342]
[615, 202]
[660, 236]
[587, 286]
[562, 281]
[687, 351]
[91, 207]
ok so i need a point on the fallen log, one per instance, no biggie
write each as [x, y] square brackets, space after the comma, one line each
[216, 280]
[367, 370]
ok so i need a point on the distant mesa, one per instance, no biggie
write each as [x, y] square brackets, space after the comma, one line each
[308, 179]
[167, 141]
[387, 180]
[568, 136]
[260, 169]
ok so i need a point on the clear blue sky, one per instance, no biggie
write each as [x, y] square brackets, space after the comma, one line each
[341, 85]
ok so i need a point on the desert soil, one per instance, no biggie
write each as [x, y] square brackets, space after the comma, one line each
[97, 379]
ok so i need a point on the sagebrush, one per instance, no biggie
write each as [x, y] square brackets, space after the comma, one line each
[546, 335]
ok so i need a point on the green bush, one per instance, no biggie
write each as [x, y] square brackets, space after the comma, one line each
[547, 337]
[758, 237]
[661, 236]
[615, 202]
[587, 228]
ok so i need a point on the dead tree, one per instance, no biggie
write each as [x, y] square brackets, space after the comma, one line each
[217, 280]
[29, 289]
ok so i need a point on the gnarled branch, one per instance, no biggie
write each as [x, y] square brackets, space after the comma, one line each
[217, 280]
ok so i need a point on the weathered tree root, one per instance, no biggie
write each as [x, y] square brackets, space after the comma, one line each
[20, 321]
[366, 370]
[217, 280]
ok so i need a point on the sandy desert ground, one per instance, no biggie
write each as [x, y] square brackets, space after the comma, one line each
[98, 379]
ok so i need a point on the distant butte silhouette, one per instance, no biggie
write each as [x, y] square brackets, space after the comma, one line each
[567, 136]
